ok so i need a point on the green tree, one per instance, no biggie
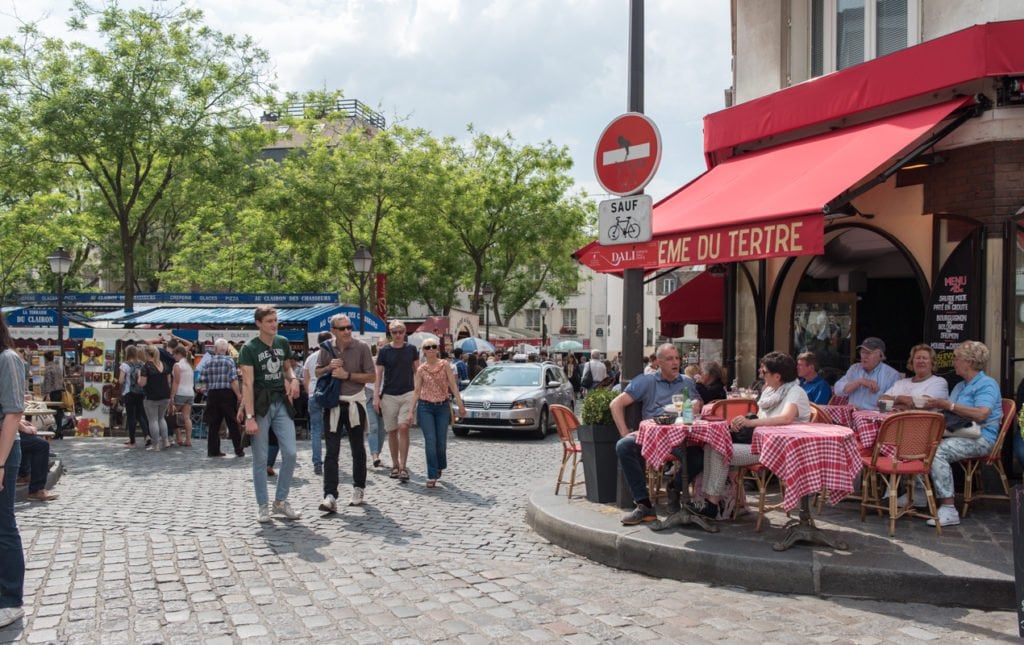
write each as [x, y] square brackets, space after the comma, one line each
[163, 88]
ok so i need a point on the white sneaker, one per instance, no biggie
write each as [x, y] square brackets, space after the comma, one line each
[920, 501]
[357, 497]
[948, 516]
[263, 514]
[284, 508]
[10, 614]
[329, 505]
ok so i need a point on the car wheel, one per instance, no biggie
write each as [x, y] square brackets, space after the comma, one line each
[542, 427]
[460, 432]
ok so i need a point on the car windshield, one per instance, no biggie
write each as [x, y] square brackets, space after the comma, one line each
[503, 375]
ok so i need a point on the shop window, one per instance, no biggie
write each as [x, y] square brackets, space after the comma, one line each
[667, 285]
[533, 319]
[568, 321]
[844, 33]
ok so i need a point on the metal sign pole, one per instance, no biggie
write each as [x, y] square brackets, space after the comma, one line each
[633, 279]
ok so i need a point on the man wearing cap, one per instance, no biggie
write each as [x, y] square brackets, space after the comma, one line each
[867, 380]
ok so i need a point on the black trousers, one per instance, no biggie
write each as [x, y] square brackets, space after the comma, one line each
[356, 444]
[58, 414]
[221, 407]
[135, 414]
[35, 460]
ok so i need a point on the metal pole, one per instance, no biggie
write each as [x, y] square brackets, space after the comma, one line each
[60, 322]
[362, 303]
[633, 279]
[487, 320]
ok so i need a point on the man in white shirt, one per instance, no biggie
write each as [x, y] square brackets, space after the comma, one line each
[595, 367]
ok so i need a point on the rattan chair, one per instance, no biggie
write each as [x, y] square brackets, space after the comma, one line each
[818, 415]
[566, 422]
[972, 466]
[729, 408]
[910, 439]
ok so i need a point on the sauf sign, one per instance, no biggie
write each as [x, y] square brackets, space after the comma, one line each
[627, 155]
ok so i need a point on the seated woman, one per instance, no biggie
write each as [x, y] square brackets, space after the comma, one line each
[710, 386]
[922, 383]
[977, 398]
[782, 401]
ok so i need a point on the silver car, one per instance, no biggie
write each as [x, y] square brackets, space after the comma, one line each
[514, 396]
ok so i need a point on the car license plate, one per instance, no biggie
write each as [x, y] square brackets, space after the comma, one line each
[483, 414]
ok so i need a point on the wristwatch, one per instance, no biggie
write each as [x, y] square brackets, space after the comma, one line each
[250, 417]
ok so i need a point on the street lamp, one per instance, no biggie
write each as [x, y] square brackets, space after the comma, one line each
[364, 264]
[487, 291]
[543, 324]
[60, 263]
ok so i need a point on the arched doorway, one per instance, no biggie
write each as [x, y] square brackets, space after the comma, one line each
[865, 284]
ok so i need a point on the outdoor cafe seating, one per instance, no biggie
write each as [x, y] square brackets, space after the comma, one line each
[973, 487]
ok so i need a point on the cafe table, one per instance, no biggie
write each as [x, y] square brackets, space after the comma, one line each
[840, 415]
[656, 445]
[809, 458]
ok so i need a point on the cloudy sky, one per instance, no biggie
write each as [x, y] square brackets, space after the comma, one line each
[540, 69]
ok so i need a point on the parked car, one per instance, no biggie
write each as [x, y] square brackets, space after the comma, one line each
[514, 396]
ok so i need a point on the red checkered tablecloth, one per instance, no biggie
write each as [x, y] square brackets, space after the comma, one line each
[867, 423]
[840, 415]
[809, 457]
[656, 442]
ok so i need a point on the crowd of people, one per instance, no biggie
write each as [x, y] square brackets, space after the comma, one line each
[785, 387]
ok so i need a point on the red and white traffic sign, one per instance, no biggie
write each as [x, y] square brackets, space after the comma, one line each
[628, 153]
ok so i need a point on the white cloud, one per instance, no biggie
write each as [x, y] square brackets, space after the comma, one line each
[540, 69]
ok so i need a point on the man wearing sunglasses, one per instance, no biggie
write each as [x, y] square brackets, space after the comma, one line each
[349, 361]
[392, 395]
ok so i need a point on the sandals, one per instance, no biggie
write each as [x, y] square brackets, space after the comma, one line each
[394, 473]
[403, 475]
[431, 483]
[376, 463]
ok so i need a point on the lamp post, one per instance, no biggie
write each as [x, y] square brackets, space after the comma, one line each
[60, 263]
[363, 261]
[487, 291]
[543, 324]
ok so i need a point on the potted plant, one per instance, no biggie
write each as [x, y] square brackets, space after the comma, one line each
[598, 436]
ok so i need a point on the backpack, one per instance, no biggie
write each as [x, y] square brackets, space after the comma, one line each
[588, 378]
[134, 369]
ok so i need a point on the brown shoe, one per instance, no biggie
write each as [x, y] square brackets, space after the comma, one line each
[270, 471]
[42, 496]
[21, 480]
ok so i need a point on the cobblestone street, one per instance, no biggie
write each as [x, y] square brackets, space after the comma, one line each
[148, 547]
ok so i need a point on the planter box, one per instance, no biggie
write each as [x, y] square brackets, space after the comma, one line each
[600, 464]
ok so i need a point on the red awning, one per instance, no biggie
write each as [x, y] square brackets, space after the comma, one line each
[700, 302]
[769, 203]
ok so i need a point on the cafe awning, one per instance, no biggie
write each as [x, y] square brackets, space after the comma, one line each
[770, 203]
[700, 302]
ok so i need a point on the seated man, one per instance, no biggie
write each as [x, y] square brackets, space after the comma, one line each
[817, 388]
[35, 463]
[867, 380]
[653, 392]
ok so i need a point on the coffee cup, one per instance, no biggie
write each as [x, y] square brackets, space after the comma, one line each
[885, 405]
[920, 401]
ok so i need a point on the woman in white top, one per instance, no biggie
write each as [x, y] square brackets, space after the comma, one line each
[922, 383]
[183, 393]
[782, 402]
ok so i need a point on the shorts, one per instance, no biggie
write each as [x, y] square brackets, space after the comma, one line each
[395, 409]
[184, 399]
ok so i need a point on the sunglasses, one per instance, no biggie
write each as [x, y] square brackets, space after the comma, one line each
[398, 332]
[343, 328]
[426, 347]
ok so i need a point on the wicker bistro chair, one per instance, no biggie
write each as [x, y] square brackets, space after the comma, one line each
[729, 408]
[972, 466]
[566, 422]
[818, 415]
[913, 438]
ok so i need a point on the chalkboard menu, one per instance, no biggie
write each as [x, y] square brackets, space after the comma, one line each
[954, 312]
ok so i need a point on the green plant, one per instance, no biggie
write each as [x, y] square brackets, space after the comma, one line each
[595, 410]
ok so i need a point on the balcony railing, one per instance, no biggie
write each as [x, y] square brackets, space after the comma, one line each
[349, 108]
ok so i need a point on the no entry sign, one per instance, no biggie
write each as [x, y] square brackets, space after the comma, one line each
[628, 153]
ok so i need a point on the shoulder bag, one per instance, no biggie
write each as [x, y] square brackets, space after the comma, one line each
[328, 389]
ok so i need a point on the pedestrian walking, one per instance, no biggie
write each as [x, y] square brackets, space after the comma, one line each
[222, 396]
[184, 391]
[392, 396]
[12, 404]
[349, 361]
[433, 383]
[316, 413]
[133, 395]
[268, 388]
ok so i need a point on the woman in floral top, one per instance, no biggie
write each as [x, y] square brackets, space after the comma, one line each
[434, 381]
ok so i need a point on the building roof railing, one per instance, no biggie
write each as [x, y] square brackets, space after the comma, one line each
[349, 108]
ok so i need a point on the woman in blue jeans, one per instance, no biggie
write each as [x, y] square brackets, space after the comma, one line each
[12, 404]
[434, 381]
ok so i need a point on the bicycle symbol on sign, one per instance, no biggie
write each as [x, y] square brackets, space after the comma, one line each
[624, 226]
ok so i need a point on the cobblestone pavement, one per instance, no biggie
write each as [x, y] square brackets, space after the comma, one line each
[149, 547]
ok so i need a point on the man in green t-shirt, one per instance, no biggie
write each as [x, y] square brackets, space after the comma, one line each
[267, 380]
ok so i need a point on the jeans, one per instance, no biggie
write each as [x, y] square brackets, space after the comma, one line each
[634, 469]
[316, 429]
[375, 434]
[135, 414]
[954, 449]
[35, 462]
[12, 558]
[284, 428]
[355, 443]
[156, 411]
[432, 418]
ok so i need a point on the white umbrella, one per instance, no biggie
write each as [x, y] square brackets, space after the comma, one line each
[568, 346]
[420, 336]
[472, 344]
